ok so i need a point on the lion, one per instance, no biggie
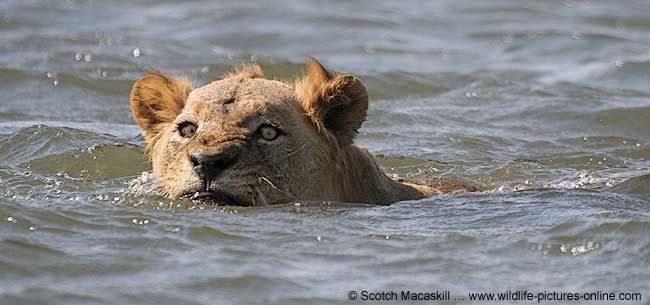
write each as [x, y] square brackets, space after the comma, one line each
[250, 141]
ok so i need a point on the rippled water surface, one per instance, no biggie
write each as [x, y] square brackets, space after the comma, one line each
[545, 104]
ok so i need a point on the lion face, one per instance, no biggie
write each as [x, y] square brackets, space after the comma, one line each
[246, 140]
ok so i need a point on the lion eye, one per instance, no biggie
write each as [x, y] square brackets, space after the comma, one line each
[187, 129]
[269, 133]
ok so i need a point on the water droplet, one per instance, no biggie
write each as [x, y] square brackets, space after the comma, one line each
[88, 57]
[134, 221]
[49, 74]
[146, 221]
[11, 219]
[77, 56]
[136, 52]
[319, 238]
[638, 144]
[387, 237]
[32, 228]
[55, 82]
[205, 69]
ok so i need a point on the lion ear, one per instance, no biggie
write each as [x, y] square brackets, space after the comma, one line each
[334, 103]
[156, 100]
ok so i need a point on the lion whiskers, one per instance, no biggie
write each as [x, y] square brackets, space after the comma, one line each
[262, 178]
[296, 151]
[261, 197]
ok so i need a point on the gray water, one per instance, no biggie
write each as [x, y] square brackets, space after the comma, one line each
[545, 104]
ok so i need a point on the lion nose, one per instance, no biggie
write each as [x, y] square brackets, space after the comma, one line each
[210, 166]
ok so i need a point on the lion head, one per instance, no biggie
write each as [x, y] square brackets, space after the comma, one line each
[247, 140]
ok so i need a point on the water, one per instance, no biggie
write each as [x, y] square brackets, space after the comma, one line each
[543, 104]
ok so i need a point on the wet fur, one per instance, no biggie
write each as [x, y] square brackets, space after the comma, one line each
[315, 159]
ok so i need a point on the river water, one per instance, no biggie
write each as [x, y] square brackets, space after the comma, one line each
[545, 104]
